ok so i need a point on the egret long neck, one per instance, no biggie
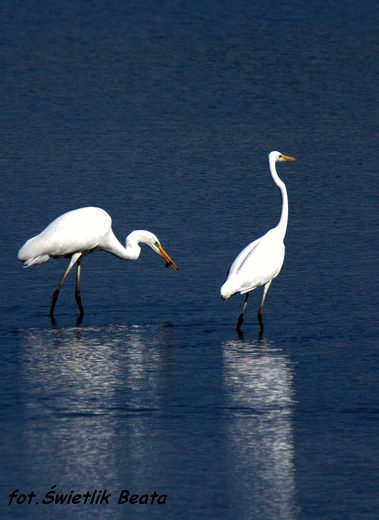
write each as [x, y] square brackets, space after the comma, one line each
[283, 221]
[282, 225]
[111, 244]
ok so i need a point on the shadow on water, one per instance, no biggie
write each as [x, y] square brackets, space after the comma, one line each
[259, 402]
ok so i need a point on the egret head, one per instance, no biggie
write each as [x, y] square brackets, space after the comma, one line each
[279, 157]
[151, 240]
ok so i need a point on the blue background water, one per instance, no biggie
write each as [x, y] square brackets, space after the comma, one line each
[163, 114]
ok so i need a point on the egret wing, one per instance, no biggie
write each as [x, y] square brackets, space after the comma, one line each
[257, 264]
[78, 230]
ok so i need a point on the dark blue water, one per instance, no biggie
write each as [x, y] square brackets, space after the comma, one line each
[163, 114]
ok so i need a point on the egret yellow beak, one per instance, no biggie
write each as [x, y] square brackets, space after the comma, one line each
[165, 256]
[288, 158]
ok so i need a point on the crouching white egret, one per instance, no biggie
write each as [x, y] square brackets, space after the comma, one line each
[78, 233]
[261, 261]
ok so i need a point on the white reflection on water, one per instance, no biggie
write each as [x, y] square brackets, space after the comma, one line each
[79, 387]
[99, 410]
[86, 366]
[258, 391]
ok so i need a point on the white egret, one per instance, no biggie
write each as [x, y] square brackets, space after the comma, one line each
[261, 261]
[78, 233]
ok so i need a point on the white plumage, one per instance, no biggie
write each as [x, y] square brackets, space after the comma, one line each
[78, 233]
[261, 261]
[258, 263]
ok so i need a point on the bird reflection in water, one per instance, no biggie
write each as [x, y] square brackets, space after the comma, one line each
[259, 403]
[90, 390]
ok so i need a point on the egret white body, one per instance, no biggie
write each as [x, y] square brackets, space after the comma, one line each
[261, 261]
[78, 233]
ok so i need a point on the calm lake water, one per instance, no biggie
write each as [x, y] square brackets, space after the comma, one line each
[163, 114]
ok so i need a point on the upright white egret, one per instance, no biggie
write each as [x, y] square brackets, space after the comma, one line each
[78, 233]
[261, 261]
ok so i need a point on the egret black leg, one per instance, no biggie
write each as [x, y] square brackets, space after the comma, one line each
[54, 299]
[240, 319]
[77, 289]
[260, 319]
[260, 312]
[56, 292]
